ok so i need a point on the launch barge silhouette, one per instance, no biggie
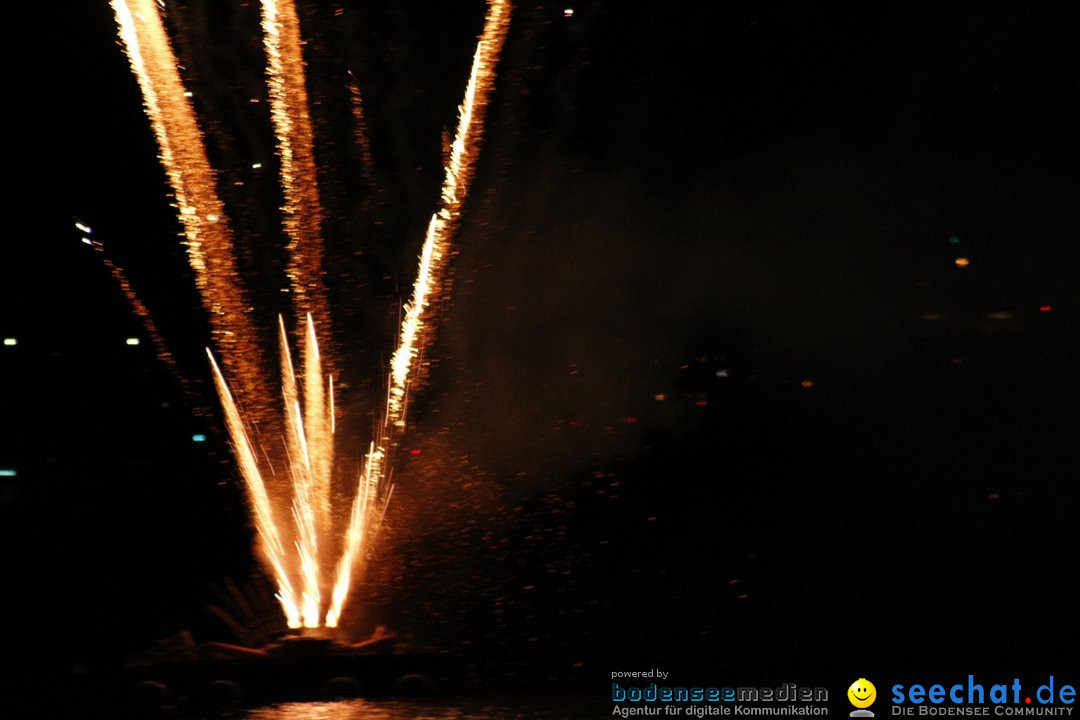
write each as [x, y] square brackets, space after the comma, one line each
[299, 665]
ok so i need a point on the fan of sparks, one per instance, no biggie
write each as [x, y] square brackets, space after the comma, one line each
[315, 572]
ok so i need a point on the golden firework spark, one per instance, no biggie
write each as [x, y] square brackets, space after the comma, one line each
[302, 213]
[161, 348]
[265, 525]
[303, 455]
[318, 427]
[456, 181]
[208, 237]
[415, 331]
[309, 424]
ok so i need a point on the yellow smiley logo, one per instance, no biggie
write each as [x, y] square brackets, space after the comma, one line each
[862, 693]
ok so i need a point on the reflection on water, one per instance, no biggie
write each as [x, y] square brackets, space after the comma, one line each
[408, 710]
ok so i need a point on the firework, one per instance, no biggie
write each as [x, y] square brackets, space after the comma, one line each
[161, 347]
[415, 333]
[265, 524]
[415, 326]
[308, 423]
[302, 213]
[208, 237]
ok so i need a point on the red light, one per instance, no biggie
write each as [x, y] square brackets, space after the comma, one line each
[1045, 308]
[415, 451]
[631, 420]
[702, 403]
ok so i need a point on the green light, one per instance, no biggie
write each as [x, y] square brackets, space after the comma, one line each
[5, 472]
[198, 437]
[132, 341]
[953, 240]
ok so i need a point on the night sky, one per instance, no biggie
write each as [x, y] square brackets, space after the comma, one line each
[711, 392]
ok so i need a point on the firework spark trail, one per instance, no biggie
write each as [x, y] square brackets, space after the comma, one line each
[308, 432]
[365, 518]
[161, 348]
[299, 455]
[307, 548]
[273, 550]
[458, 176]
[414, 328]
[360, 136]
[317, 428]
[207, 234]
[302, 210]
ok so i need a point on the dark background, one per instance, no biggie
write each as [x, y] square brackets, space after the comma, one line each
[864, 456]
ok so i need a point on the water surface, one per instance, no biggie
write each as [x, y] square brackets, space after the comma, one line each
[533, 709]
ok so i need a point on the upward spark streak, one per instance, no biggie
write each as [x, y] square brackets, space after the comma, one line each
[140, 309]
[302, 460]
[317, 428]
[208, 237]
[302, 210]
[433, 257]
[309, 432]
[272, 547]
[456, 182]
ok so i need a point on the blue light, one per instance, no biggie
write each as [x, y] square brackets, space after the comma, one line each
[198, 437]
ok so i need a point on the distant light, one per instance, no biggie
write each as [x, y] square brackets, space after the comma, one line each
[188, 94]
[132, 341]
[87, 241]
[702, 403]
[7, 472]
[722, 372]
[931, 316]
[1042, 308]
[11, 342]
[83, 228]
[415, 451]
[954, 240]
[568, 12]
[1000, 316]
[807, 383]
[256, 166]
[660, 397]
[211, 218]
[198, 437]
[631, 420]
[962, 262]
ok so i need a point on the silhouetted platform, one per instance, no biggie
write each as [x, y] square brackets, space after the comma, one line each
[294, 668]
